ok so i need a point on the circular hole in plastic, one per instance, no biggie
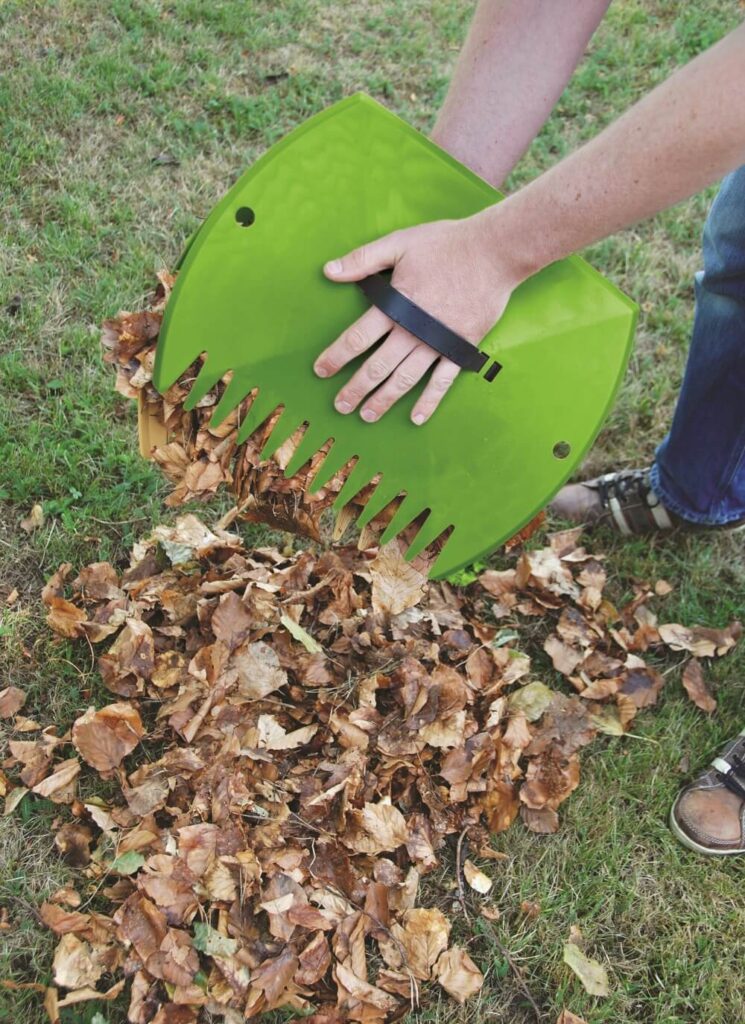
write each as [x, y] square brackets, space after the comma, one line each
[245, 216]
[562, 449]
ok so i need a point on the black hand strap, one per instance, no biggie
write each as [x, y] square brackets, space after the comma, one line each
[428, 329]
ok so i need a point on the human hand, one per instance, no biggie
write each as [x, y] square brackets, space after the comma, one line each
[455, 272]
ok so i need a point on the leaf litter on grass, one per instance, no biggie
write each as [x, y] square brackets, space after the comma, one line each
[281, 792]
[294, 741]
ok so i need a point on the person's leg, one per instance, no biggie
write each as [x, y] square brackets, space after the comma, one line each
[699, 473]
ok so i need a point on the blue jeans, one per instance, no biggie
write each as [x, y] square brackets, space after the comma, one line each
[699, 470]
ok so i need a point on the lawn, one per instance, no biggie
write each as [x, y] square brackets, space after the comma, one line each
[120, 126]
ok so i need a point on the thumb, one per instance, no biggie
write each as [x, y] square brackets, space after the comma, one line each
[368, 259]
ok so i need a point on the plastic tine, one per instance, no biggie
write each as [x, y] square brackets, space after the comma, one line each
[309, 444]
[359, 476]
[264, 404]
[285, 427]
[208, 376]
[406, 512]
[335, 459]
[385, 492]
[429, 531]
[231, 398]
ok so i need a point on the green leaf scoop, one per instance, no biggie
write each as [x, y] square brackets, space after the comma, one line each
[252, 296]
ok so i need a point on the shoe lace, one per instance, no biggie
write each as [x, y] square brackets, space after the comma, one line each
[732, 779]
[621, 486]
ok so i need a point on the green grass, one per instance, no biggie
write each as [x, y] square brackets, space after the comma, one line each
[91, 95]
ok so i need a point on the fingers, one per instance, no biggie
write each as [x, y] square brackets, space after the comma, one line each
[442, 377]
[375, 370]
[368, 259]
[358, 338]
[408, 373]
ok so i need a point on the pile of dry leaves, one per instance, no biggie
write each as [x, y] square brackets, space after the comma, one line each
[293, 743]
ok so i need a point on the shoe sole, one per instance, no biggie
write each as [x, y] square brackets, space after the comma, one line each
[692, 844]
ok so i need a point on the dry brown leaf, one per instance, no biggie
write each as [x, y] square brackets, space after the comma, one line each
[696, 688]
[83, 995]
[476, 878]
[544, 821]
[377, 828]
[272, 736]
[396, 584]
[565, 658]
[75, 965]
[60, 786]
[701, 641]
[257, 670]
[11, 700]
[73, 841]
[421, 939]
[64, 617]
[104, 738]
[458, 974]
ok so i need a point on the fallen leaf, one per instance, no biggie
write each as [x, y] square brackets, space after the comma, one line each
[65, 618]
[532, 699]
[104, 738]
[377, 828]
[565, 658]
[476, 878]
[11, 700]
[257, 669]
[696, 688]
[213, 943]
[544, 822]
[74, 964]
[272, 736]
[60, 785]
[593, 975]
[701, 641]
[396, 584]
[458, 974]
[73, 841]
[128, 863]
[83, 995]
[422, 937]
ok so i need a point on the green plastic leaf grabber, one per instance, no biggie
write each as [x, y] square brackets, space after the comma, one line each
[251, 295]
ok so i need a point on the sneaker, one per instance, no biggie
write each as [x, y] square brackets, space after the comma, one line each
[625, 501]
[708, 815]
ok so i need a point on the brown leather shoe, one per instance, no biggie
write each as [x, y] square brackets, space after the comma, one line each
[627, 502]
[708, 815]
[624, 500]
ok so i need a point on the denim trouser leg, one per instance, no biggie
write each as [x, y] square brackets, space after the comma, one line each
[699, 472]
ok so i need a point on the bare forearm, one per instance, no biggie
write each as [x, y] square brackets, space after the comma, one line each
[517, 58]
[686, 134]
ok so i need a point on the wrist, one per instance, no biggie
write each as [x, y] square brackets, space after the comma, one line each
[515, 244]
